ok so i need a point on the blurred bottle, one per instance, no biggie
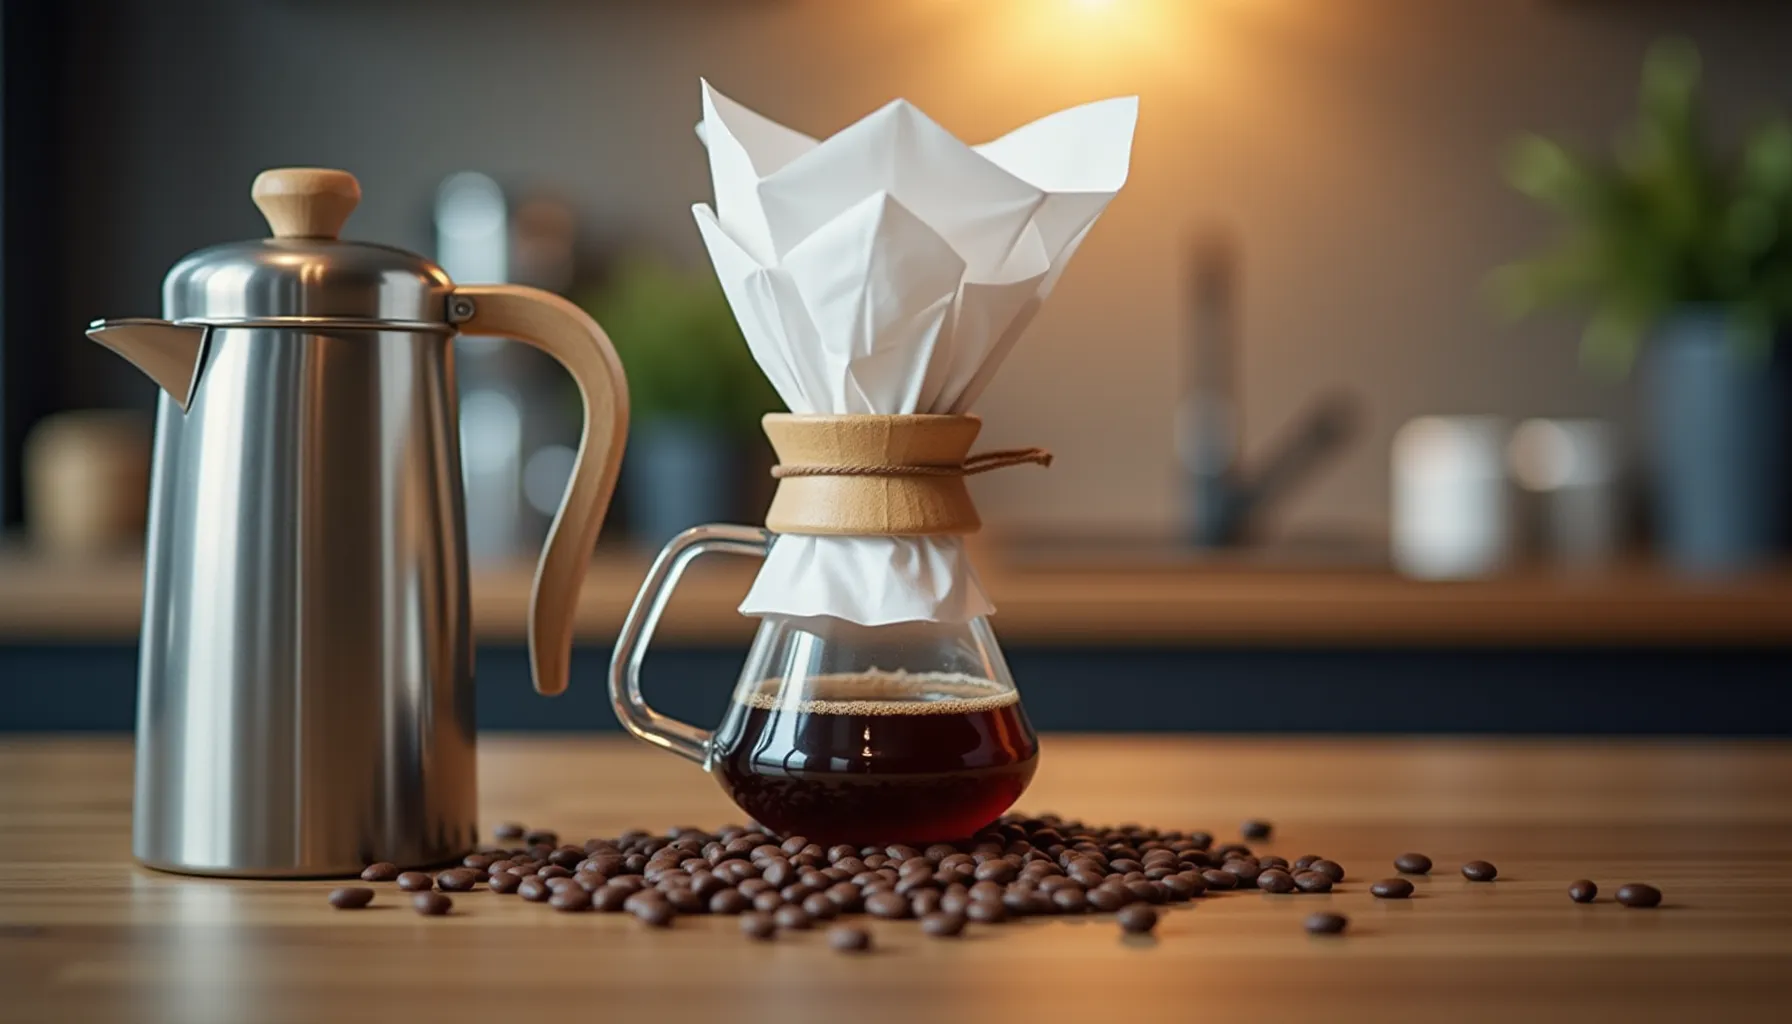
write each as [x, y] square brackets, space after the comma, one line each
[1572, 468]
[87, 482]
[1451, 517]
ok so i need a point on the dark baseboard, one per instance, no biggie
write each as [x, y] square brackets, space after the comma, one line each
[1506, 692]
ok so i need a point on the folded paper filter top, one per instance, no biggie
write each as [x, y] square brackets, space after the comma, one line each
[889, 269]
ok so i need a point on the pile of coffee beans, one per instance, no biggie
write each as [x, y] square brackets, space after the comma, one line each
[1017, 867]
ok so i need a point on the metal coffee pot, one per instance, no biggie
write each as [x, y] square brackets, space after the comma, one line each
[306, 692]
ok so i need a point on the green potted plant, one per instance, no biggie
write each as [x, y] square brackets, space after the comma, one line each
[1683, 255]
[695, 397]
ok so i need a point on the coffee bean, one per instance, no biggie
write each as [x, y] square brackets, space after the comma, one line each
[556, 884]
[1274, 880]
[533, 889]
[987, 911]
[1109, 897]
[508, 830]
[1413, 864]
[791, 917]
[655, 913]
[431, 904]
[820, 907]
[350, 897]
[610, 898]
[845, 938]
[415, 881]
[457, 880]
[1313, 881]
[752, 887]
[570, 899]
[1326, 923]
[554, 871]
[886, 904]
[640, 898]
[1329, 868]
[1636, 894]
[1254, 829]
[1479, 871]
[686, 900]
[503, 882]
[1391, 889]
[1217, 879]
[541, 837]
[728, 901]
[767, 901]
[1070, 900]
[384, 871]
[755, 925]
[1272, 862]
[1304, 862]
[1583, 891]
[924, 902]
[942, 924]
[1136, 919]
[1000, 872]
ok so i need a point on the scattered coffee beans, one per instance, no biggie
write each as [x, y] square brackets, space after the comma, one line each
[1136, 919]
[1636, 894]
[381, 872]
[352, 897]
[1392, 889]
[1016, 867]
[1326, 923]
[1413, 864]
[431, 904]
[415, 881]
[1583, 891]
[845, 938]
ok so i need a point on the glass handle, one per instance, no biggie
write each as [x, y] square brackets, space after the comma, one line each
[680, 738]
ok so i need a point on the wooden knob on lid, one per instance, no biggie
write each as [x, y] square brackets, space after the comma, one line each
[306, 202]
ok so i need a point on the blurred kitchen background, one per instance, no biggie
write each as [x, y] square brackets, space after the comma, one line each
[1311, 474]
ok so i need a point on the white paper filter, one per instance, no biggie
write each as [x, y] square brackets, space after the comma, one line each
[889, 269]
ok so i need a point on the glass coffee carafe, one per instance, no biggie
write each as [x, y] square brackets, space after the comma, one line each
[909, 732]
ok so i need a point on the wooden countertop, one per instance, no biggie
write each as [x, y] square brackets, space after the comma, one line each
[1078, 603]
[85, 935]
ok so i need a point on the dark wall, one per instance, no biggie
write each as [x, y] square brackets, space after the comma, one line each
[1353, 147]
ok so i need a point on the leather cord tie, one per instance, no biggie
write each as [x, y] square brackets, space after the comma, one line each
[982, 462]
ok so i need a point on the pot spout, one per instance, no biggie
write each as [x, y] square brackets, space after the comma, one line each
[168, 353]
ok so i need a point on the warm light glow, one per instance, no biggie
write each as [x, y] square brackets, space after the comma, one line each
[1093, 3]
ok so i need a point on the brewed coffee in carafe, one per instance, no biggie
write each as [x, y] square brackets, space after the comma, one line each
[827, 738]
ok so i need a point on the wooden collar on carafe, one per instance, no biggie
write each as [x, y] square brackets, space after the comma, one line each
[890, 476]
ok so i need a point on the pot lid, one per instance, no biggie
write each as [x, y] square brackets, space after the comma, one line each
[304, 270]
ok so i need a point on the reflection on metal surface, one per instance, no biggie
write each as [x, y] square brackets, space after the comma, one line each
[306, 699]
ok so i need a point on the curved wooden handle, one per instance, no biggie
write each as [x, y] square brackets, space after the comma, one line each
[563, 331]
[306, 202]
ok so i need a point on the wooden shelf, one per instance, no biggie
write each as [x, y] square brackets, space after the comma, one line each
[1221, 604]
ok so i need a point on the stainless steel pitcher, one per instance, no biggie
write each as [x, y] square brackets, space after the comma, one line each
[306, 697]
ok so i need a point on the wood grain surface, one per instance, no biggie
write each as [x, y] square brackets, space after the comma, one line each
[43, 599]
[87, 936]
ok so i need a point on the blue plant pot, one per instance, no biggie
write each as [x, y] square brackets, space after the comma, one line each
[677, 474]
[1719, 427]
